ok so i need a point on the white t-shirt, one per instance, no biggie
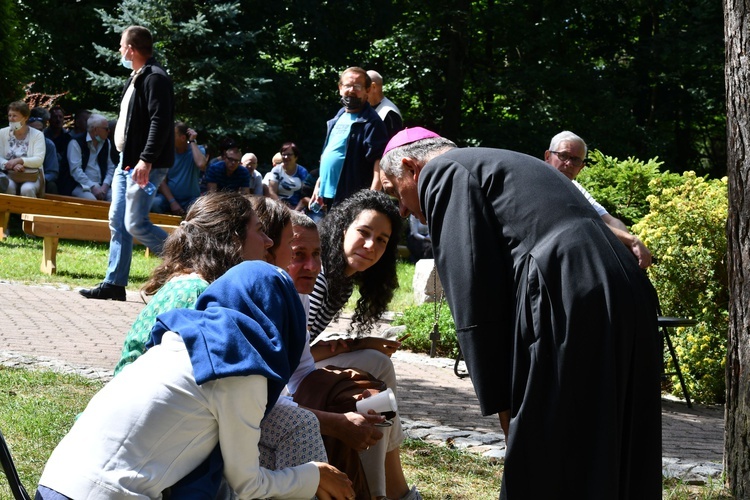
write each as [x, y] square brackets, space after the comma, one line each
[599, 209]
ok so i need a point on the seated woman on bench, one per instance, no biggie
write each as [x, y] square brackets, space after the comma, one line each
[22, 151]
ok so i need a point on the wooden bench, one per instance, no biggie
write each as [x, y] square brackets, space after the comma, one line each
[166, 219]
[74, 199]
[52, 228]
[64, 206]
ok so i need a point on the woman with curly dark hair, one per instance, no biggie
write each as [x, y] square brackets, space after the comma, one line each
[359, 242]
[359, 239]
[219, 231]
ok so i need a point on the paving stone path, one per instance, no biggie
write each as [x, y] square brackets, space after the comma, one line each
[54, 327]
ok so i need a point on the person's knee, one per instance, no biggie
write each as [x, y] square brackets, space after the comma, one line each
[308, 422]
[299, 420]
[29, 190]
[137, 228]
[381, 366]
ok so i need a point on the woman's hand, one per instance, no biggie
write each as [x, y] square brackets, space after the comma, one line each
[387, 347]
[16, 165]
[338, 346]
[333, 484]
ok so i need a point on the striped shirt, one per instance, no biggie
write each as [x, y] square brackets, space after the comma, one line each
[324, 308]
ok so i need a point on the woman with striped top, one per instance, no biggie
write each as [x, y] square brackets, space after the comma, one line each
[359, 243]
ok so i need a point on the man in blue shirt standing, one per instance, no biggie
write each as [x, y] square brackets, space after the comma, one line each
[354, 143]
[182, 185]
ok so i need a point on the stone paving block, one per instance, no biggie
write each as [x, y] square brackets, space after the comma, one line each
[496, 453]
[448, 436]
[465, 442]
[418, 433]
[488, 438]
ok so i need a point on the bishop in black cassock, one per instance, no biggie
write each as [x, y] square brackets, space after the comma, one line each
[555, 319]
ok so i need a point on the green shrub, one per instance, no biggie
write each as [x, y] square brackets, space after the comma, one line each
[622, 187]
[419, 321]
[685, 232]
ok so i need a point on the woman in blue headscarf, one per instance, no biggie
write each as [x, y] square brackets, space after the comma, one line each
[209, 379]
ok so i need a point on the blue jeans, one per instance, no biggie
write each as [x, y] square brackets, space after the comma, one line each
[128, 219]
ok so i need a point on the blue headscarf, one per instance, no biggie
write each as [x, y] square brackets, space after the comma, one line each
[250, 321]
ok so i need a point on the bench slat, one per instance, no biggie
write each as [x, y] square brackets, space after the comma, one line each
[168, 219]
[52, 228]
[80, 209]
[75, 199]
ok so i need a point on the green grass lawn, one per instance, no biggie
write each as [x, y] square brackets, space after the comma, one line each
[79, 263]
[36, 410]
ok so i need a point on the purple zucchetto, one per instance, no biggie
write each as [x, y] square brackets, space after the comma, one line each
[407, 136]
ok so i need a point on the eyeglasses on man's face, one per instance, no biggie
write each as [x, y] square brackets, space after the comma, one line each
[565, 157]
[355, 87]
[229, 159]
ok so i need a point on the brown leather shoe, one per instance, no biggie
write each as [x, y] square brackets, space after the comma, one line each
[104, 291]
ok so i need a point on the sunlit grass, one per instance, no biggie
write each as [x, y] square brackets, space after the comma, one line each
[443, 473]
[79, 263]
[36, 410]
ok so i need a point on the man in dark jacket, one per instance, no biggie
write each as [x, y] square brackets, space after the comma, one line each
[555, 319]
[354, 143]
[145, 138]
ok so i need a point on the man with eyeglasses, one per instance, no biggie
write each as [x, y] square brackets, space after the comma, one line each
[225, 175]
[354, 143]
[90, 163]
[567, 153]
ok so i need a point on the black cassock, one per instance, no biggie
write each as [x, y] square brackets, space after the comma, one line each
[556, 321]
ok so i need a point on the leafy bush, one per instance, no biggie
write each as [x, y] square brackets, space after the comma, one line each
[419, 321]
[622, 187]
[685, 232]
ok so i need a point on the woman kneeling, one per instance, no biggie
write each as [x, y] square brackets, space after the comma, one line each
[211, 376]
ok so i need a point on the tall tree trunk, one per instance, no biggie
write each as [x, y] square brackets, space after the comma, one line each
[737, 73]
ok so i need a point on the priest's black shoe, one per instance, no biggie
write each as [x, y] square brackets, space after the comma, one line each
[104, 291]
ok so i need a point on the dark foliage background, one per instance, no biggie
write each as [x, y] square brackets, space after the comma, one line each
[640, 78]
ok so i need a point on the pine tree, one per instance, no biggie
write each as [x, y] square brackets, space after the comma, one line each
[209, 56]
[11, 45]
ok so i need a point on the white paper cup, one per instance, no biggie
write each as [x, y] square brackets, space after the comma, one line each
[381, 402]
